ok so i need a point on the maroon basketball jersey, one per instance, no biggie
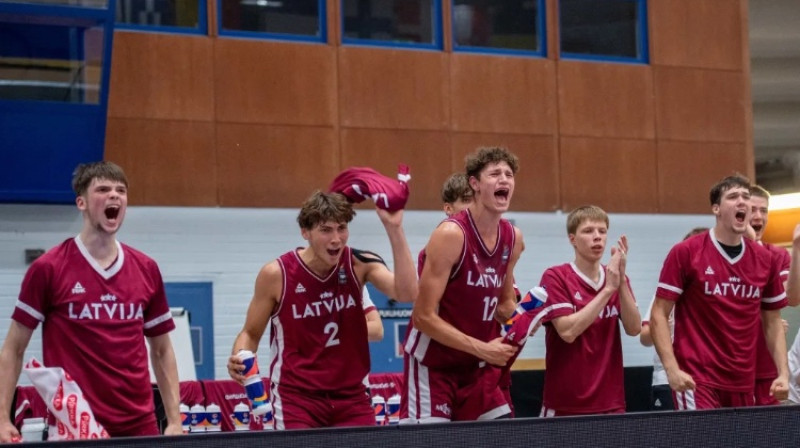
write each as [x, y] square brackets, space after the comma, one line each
[93, 325]
[470, 298]
[319, 334]
[718, 302]
[585, 376]
[765, 365]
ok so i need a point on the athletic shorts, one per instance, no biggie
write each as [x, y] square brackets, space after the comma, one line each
[762, 396]
[299, 409]
[706, 397]
[463, 394]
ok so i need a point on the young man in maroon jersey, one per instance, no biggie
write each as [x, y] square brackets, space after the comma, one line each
[766, 371]
[318, 338]
[96, 298]
[585, 303]
[464, 292]
[720, 285]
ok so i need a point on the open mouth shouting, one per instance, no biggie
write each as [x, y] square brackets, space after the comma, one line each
[334, 252]
[502, 194]
[112, 212]
[740, 216]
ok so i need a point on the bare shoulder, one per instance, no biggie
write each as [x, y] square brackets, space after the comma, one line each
[269, 282]
[271, 271]
[447, 231]
[519, 242]
[445, 245]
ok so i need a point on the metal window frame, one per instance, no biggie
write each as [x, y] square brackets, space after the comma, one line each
[541, 35]
[322, 16]
[436, 45]
[200, 29]
[642, 41]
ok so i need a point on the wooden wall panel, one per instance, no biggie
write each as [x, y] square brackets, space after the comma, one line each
[552, 29]
[606, 100]
[697, 33]
[617, 175]
[503, 94]
[700, 105]
[687, 170]
[393, 89]
[260, 81]
[165, 76]
[273, 166]
[427, 153]
[536, 183]
[168, 162]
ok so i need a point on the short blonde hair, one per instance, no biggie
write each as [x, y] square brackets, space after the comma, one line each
[585, 213]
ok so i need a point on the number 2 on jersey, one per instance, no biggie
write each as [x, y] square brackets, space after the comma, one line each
[332, 328]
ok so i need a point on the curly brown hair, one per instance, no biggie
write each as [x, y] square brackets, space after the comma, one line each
[323, 207]
[475, 163]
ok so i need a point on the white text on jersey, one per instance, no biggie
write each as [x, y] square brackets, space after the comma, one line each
[484, 280]
[316, 309]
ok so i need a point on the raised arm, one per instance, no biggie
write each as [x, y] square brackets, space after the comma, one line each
[629, 312]
[11, 355]
[402, 284]
[792, 285]
[265, 297]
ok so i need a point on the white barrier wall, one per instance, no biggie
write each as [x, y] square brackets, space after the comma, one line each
[227, 246]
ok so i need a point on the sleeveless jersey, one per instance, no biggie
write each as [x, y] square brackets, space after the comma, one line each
[470, 298]
[318, 338]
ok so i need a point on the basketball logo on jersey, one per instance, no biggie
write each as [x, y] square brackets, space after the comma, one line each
[342, 276]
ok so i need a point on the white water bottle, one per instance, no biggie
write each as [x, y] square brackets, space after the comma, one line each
[33, 429]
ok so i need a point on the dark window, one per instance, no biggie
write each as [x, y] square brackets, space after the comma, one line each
[516, 25]
[60, 63]
[102, 4]
[182, 15]
[392, 22]
[604, 29]
[301, 19]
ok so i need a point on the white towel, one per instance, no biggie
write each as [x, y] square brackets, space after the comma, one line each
[65, 401]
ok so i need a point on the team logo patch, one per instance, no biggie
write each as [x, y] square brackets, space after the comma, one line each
[709, 271]
[578, 296]
[78, 288]
[342, 276]
[300, 288]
